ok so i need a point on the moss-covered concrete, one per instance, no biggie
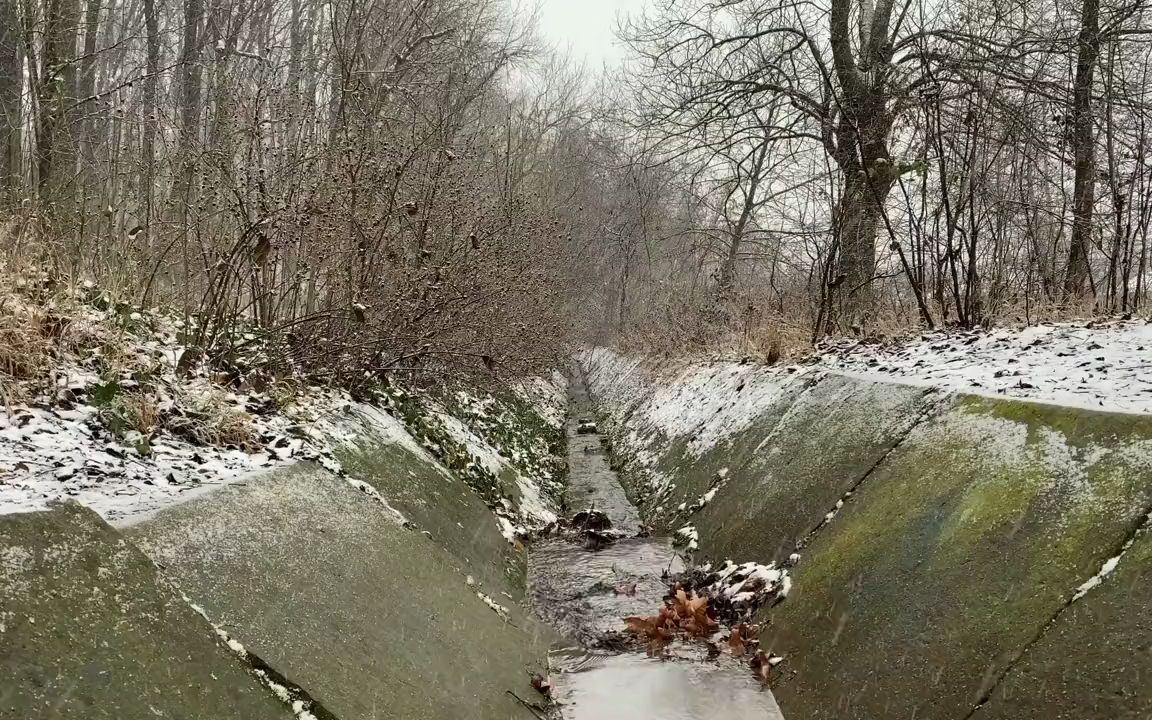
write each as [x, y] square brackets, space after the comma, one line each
[924, 593]
[693, 475]
[440, 503]
[1095, 662]
[89, 631]
[373, 619]
[953, 554]
[788, 467]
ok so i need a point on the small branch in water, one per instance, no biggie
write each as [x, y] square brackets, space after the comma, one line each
[531, 708]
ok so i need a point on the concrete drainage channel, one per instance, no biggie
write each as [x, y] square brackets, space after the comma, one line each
[292, 594]
[965, 544]
[585, 591]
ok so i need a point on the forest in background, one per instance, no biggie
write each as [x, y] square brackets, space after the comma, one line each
[376, 186]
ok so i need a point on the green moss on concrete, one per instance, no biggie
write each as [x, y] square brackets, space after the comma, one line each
[822, 441]
[371, 618]
[952, 555]
[88, 631]
[441, 504]
[1093, 662]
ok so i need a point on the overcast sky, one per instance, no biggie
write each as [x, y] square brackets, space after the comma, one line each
[586, 27]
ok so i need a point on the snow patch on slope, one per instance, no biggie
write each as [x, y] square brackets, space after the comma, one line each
[532, 503]
[548, 396]
[1097, 365]
[705, 403]
[55, 452]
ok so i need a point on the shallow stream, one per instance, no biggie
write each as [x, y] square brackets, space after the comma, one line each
[585, 593]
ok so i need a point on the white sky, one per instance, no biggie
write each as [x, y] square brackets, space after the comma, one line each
[585, 27]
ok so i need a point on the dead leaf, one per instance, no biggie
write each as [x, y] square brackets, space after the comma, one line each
[762, 664]
[638, 625]
[628, 589]
[542, 683]
[736, 643]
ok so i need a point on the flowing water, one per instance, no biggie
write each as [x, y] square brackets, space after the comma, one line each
[586, 593]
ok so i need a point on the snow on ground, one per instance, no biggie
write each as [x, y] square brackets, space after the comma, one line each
[103, 417]
[345, 421]
[750, 584]
[703, 402]
[1098, 365]
[50, 453]
[1103, 365]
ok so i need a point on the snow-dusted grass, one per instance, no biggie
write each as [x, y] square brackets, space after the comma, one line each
[531, 504]
[51, 452]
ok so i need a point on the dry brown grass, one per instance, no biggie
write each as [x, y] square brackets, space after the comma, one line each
[235, 428]
[772, 329]
[41, 327]
[137, 410]
[26, 347]
[208, 417]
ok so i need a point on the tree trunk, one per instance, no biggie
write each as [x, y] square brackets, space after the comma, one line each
[11, 115]
[859, 145]
[857, 221]
[86, 83]
[55, 141]
[1084, 150]
[189, 108]
[726, 277]
[151, 111]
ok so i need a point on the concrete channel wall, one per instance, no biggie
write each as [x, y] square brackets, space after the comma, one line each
[291, 593]
[948, 543]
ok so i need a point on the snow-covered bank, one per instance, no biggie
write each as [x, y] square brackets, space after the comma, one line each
[1101, 365]
[1096, 365]
[50, 451]
[924, 482]
[110, 419]
[699, 403]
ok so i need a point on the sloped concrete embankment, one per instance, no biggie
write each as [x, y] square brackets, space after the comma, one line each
[956, 553]
[293, 593]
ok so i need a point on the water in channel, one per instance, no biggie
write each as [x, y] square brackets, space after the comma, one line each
[586, 592]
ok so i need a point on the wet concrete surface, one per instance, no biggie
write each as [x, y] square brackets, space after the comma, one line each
[586, 594]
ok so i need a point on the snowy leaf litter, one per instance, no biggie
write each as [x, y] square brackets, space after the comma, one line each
[48, 452]
[63, 442]
[1102, 365]
[749, 584]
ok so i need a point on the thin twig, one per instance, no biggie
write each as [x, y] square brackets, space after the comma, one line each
[531, 708]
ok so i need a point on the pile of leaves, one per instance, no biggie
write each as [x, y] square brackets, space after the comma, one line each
[682, 615]
[690, 616]
[737, 591]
